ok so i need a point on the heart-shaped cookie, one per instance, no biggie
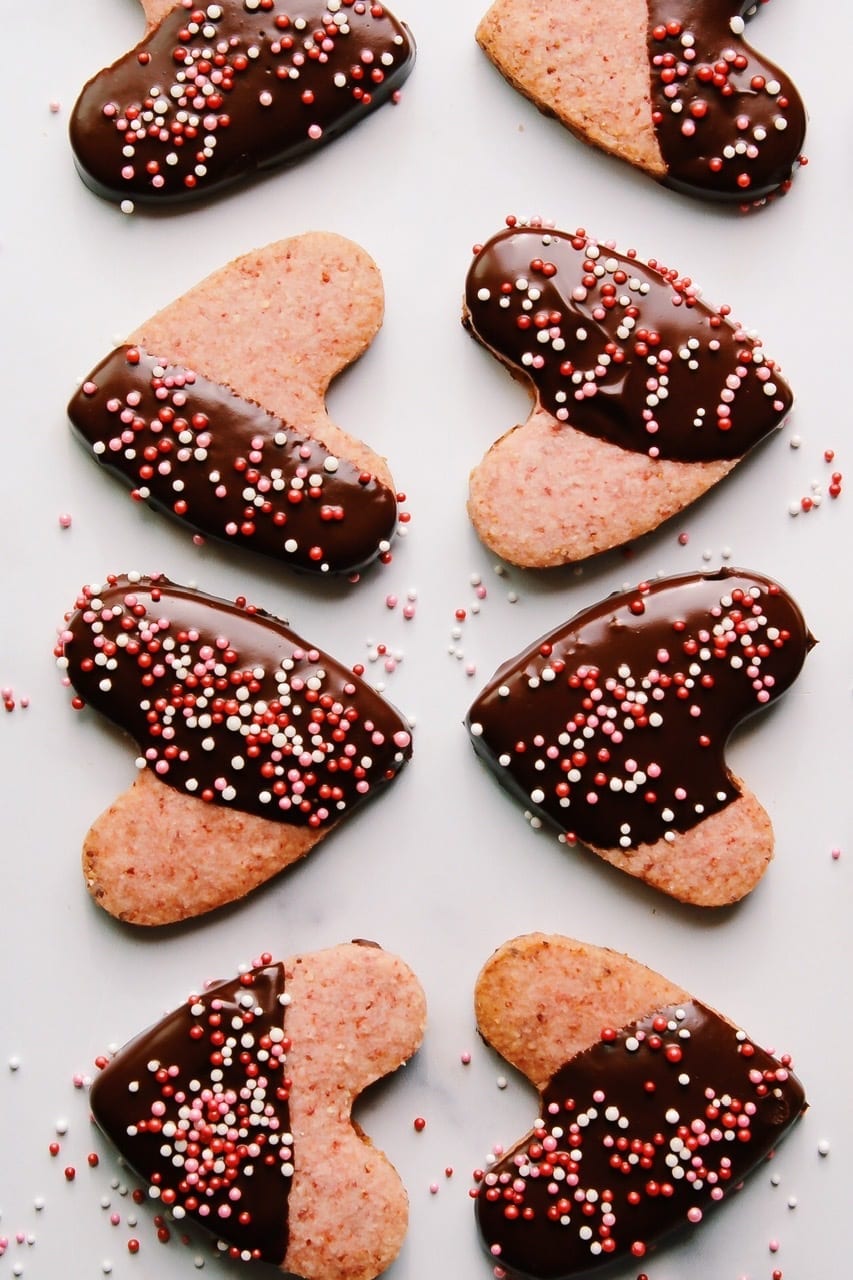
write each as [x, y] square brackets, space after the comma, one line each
[671, 86]
[653, 1108]
[253, 745]
[232, 437]
[236, 1110]
[644, 395]
[613, 728]
[215, 93]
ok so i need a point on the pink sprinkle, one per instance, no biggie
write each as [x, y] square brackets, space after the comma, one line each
[408, 612]
[773, 1246]
[683, 539]
[433, 1188]
[694, 1215]
[315, 132]
[465, 1058]
[391, 602]
[198, 540]
[65, 520]
[53, 107]
[836, 854]
[402, 739]
[470, 669]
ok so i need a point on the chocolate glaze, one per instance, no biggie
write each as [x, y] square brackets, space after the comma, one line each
[630, 354]
[729, 123]
[226, 467]
[227, 704]
[650, 1127]
[613, 728]
[205, 101]
[191, 1070]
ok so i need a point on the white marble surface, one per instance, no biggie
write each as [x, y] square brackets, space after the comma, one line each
[444, 868]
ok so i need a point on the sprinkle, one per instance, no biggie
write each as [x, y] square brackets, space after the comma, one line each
[65, 520]
[823, 1147]
[501, 1082]
[465, 1057]
[419, 1124]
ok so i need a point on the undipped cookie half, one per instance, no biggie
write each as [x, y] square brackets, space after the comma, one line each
[253, 745]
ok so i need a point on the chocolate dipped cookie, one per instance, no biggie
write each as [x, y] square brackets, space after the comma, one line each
[671, 86]
[214, 410]
[612, 729]
[235, 1110]
[216, 93]
[253, 744]
[653, 1108]
[644, 396]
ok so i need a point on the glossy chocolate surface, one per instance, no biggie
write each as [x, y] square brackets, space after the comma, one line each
[198, 1107]
[226, 467]
[217, 92]
[638, 1135]
[613, 728]
[228, 705]
[620, 349]
[730, 124]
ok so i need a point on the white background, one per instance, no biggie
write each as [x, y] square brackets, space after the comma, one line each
[443, 868]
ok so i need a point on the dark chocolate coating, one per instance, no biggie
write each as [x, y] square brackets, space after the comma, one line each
[620, 349]
[730, 124]
[226, 467]
[227, 704]
[224, 1089]
[203, 102]
[648, 1128]
[613, 728]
